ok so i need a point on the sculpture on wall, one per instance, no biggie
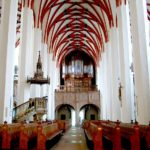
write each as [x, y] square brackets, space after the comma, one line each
[120, 93]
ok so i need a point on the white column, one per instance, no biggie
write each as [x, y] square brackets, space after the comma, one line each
[124, 50]
[35, 89]
[102, 88]
[7, 48]
[53, 73]
[44, 54]
[116, 105]
[140, 59]
[99, 83]
[109, 80]
[105, 98]
[25, 55]
[51, 109]
[98, 71]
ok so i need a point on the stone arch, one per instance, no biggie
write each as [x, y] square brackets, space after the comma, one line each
[90, 111]
[64, 112]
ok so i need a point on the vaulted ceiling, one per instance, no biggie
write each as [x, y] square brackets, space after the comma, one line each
[69, 25]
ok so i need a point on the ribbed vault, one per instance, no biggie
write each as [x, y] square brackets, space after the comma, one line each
[69, 25]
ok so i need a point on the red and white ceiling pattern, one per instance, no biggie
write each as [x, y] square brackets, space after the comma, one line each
[68, 25]
[0, 10]
[148, 10]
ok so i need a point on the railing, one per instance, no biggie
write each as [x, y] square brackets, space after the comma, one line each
[64, 88]
[36, 106]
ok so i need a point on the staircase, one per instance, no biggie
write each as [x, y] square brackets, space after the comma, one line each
[32, 110]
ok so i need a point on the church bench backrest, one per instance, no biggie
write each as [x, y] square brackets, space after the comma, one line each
[112, 133]
[10, 133]
[85, 124]
[49, 129]
[67, 124]
[46, 132]
[131, 132]
[95, 134]
[1, 128]
[28, 134]
[92, 129]
[31, 129]
[145, 134]
[23, 134]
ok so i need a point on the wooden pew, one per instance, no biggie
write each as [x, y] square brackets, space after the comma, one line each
[46, 134]
[1, 127]
[10, 135]
[126, 131]
[28, 136]
[63, 125]
[17, 136]
[145, 136]
[112, 133]
[132, 134]
[144, 133]
[93, 135]
[135, 134]
[38, 136]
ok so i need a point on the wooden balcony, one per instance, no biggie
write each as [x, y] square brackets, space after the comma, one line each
[64, 88]
[77, 97]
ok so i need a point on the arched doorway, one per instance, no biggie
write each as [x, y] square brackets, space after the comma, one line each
[65, 112]
[89, 112]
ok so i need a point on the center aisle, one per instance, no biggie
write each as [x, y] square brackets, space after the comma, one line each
[73, 139]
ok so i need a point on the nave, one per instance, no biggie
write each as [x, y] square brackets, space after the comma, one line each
[74, 60]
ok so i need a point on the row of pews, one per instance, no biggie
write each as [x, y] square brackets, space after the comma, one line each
[25, 136]
[130, 136]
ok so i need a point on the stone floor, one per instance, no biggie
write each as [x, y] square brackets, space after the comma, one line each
[73, 139]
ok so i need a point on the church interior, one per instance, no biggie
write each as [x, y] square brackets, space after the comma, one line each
[75, 74]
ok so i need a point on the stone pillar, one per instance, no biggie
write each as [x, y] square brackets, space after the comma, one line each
[109, 80]
[139, 32]
[25, 55]
[77, 119]
[7, 49]
[35, 89]
[103, 88]
[125, 63]
[53, 72]
[116, 105]
[51, 106]
[98, 76]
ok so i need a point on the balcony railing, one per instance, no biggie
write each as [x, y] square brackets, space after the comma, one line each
[63, 88]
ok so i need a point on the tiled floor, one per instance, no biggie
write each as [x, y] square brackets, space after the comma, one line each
[73, 139]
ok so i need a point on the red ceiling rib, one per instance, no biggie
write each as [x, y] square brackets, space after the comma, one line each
[148, 11]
